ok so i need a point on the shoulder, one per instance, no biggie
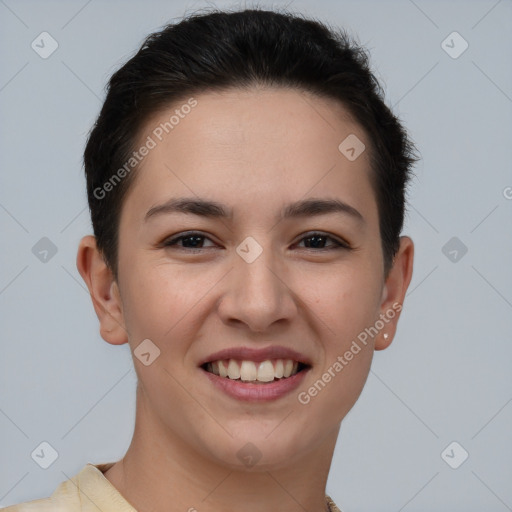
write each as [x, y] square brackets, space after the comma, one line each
[87, 491]
[55, 503]
[40, 505]
[65, 498]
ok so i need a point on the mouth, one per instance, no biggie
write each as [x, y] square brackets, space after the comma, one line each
[254, 372]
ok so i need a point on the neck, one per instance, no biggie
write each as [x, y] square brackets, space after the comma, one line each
[161, 473]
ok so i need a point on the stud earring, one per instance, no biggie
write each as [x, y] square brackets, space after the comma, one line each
[386, 335]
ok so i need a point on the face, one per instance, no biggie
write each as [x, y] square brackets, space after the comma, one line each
[264, 275]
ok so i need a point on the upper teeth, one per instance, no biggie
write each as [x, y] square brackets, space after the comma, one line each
[265, 371]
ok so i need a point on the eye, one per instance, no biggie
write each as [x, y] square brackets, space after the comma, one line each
[317, 240]
[190, 241]
[194, 241]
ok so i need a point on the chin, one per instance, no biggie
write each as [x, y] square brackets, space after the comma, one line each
[260, 449]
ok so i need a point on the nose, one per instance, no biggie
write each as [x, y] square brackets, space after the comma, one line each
[258, 294]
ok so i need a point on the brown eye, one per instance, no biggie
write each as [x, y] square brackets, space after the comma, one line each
[318, 241]
[189, 241]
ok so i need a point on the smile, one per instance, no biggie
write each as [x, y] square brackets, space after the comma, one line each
[251, 371]
[252, 381]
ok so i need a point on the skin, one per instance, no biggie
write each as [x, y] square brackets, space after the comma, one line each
[255, 151]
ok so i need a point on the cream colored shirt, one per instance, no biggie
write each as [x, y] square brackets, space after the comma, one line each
[90, 491]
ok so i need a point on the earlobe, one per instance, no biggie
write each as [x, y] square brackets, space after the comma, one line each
[103, 290]
[394, 290]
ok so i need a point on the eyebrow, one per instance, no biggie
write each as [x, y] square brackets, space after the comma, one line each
[205, 208]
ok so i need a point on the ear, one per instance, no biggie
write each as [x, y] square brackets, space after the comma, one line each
[104, 291]
[393, 292]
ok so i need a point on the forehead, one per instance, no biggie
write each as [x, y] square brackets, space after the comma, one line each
[274, 144]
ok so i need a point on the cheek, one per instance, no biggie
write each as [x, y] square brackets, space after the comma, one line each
[154, 302]
[332, 394]
[350, 307]
[158, 307]
[347, 300]
[341, 374]
[167, 304]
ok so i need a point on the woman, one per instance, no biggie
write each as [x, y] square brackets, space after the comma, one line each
[246, 184]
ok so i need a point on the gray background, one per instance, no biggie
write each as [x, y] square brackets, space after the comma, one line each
[446, 376]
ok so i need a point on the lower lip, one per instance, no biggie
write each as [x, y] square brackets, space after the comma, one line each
[250, 392]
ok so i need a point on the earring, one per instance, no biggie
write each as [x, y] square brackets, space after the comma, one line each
[386, 335]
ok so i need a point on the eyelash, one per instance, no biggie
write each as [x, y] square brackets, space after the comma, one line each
[171, 242]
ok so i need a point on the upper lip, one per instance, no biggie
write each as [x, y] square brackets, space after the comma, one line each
[257, 355]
